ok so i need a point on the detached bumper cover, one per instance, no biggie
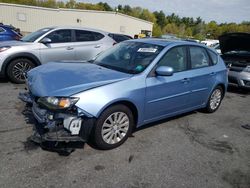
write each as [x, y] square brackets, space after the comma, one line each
[58, 126]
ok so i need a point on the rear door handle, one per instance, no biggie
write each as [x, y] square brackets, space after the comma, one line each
[185, 80]
[69, 48]
[97, 46]
[212, 73]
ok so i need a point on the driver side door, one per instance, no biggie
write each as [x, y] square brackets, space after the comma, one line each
[60, 47]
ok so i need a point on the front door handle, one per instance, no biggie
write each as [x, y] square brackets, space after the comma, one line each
[212, 73]
[69, 48]
[97, 46]
[185, 80]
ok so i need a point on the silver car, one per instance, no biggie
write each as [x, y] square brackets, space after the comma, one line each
[50, 44]
[235, 49]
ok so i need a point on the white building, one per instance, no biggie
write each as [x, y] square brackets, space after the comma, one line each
[30, 18]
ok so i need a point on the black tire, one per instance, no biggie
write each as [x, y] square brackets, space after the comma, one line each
[99, 127]
[23, 65]
[210, 108]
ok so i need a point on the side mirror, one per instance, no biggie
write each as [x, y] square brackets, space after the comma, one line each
[46, 40]
[164, 71]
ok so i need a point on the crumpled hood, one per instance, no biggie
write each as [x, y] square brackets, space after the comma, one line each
[234, 42]
[66, 79]
[14, 43]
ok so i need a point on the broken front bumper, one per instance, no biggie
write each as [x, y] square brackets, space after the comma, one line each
[58, 126]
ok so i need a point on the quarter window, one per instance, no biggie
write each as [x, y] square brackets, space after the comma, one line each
[214, 57]
[82, 36]
[199, 57]
[175, 58]
[60, 36]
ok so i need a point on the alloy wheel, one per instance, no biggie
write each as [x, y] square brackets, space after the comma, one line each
[115, 127]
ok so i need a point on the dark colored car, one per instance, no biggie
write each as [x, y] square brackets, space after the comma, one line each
[235, 50]
[9, 33]
[119, 37]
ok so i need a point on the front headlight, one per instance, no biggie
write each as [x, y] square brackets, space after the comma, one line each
[57, 103]
[4, 48]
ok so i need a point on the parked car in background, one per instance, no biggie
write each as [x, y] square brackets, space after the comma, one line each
[50, 44]
[133, 83]
[119, 37]
[8, 32]
[209, 42]
[216, 46]
[235, 49]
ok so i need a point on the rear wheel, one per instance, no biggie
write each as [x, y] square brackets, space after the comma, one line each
[113, 127]
[215, 100]
[18, 68]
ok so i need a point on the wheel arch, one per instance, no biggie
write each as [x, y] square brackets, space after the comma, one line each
[126, 103]
[223, 88]
[26, 55]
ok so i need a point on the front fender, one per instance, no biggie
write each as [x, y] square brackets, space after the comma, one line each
[95, 101]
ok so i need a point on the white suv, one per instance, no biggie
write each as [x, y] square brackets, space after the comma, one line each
[50, 44]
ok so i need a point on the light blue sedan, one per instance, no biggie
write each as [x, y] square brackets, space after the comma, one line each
[134, 83]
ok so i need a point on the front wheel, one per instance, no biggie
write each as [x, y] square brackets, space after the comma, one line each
[214, 100]
[17, 69]
[113, 127]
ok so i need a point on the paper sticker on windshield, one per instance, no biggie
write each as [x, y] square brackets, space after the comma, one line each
[150, 50]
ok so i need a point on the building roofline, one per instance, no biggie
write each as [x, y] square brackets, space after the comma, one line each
[75, 10]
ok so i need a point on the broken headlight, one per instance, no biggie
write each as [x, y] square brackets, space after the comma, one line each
[57, 103]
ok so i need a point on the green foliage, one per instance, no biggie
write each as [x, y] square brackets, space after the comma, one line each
[163, 24]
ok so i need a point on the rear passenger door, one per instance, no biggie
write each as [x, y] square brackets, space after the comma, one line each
[87, 44]
[60, 47]
[203, 75]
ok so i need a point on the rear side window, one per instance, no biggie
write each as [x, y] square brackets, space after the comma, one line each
[83, 36]
[120, 38]
[199, 57]
[60, 36]
[1, 30]
[213, 56]
[175, 58]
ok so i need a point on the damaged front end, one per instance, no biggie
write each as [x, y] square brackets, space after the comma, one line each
[58, 119]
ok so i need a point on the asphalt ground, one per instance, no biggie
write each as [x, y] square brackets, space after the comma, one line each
[191, 150]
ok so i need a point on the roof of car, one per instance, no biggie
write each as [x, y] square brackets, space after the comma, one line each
[80, 28]
[165, 42]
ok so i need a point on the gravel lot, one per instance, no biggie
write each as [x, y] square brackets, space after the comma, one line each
[192, 150]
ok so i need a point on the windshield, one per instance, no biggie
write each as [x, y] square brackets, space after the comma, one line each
[35, 35]
[129, 57]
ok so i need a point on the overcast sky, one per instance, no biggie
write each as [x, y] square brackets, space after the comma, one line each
[218, 10]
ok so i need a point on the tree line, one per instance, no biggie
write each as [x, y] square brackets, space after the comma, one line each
[187, 27]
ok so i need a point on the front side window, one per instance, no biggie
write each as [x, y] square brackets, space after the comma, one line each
[60, 36]
[199, 57]
[83, 36]
[175, 58]
[129, 57]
